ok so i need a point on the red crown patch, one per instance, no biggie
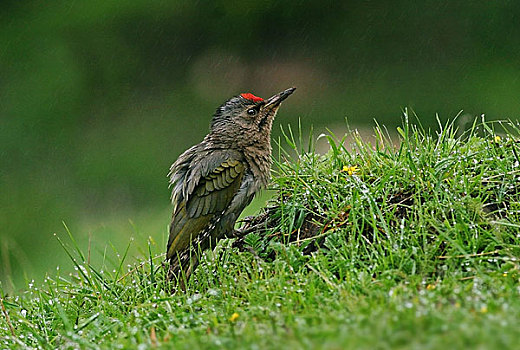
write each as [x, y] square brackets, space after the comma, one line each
[251, 97]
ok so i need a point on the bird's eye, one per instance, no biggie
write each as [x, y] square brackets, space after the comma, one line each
[251, 111]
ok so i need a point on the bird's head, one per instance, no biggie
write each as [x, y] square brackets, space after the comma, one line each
[247, 117]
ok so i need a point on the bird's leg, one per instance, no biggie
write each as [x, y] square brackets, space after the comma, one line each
[247, 227]
[237, 233]
[241, 232]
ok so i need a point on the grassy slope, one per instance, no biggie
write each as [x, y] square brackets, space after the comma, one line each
[382, 246]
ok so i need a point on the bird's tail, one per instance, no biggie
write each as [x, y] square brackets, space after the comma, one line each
[182, 265]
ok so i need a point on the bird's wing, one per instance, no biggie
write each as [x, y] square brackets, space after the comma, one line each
[216, 189]
[210, 189]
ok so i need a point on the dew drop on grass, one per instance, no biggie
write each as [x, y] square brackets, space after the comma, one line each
[213, 292]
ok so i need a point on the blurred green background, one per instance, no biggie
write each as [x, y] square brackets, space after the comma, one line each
[99, 97]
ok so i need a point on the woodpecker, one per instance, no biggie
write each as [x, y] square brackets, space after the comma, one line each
[213, 181]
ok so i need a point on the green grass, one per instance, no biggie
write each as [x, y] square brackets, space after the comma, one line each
[396, 244]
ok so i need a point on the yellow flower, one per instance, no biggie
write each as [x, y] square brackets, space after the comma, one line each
[498, 139]
[351, 170]
[430, 287]
[233, 317]
[484, 309]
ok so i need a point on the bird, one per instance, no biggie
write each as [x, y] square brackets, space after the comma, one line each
[213, 181]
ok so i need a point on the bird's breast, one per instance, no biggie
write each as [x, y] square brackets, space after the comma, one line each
[260, 166]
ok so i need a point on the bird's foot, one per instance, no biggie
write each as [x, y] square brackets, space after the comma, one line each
[242, 232]
[237, 233]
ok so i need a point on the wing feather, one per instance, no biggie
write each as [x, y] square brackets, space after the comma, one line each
[207, 190]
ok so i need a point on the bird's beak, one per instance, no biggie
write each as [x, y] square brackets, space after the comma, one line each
[274, 101]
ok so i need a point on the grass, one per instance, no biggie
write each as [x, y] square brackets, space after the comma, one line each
[385, 245]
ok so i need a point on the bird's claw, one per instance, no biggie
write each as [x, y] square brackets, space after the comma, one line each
[236, 233]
